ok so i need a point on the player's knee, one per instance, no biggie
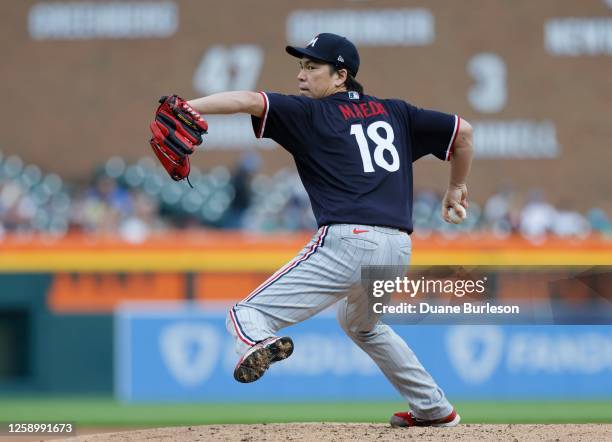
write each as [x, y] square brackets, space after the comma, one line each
[341, 315]
[357, 333]
[350, 327]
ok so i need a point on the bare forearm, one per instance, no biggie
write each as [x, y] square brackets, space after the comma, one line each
[462, 155]
[230, 103]
[457, 193]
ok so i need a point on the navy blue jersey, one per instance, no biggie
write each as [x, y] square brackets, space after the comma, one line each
[354, 152]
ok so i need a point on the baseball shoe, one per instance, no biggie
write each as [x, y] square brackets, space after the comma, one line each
[406, 419]
[258, 359]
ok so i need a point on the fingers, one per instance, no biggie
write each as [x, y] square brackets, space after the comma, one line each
[455, 205]
[464, 197]
[444, 214]
[459, 193]
[456, 199]
[447, 204]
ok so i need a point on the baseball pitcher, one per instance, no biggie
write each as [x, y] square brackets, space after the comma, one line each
[354, 154]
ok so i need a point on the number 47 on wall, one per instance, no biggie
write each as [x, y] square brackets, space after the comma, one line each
[228, 68]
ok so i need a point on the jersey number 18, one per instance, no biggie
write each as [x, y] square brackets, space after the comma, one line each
[382, 144]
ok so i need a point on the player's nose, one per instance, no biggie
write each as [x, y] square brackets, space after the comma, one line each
[301, 75]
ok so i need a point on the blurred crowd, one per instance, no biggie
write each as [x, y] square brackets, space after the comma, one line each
[135, 200]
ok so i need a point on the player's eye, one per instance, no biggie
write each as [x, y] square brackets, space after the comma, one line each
[306, 67]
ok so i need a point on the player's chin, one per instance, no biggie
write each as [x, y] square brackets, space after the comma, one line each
[305, 93]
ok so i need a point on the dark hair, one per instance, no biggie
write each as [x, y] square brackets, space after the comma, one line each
[351, 83]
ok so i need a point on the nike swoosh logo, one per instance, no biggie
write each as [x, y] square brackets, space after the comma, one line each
[357, 231]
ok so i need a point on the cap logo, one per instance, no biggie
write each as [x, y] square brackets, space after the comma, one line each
[340, 59]
[313, 41]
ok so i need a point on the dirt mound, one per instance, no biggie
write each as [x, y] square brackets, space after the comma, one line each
[364, 432]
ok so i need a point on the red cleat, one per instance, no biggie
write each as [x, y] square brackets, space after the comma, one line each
[406, 419]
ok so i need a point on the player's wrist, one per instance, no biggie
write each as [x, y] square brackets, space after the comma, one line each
[456, 185]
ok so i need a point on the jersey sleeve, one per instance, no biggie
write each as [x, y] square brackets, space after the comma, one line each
[286, 119]
[432, 132]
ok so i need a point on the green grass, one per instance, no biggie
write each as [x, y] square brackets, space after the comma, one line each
[101, 411]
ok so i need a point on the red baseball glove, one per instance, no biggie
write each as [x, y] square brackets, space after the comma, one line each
[177, 130]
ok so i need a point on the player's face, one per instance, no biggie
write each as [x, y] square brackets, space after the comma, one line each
[316, 80]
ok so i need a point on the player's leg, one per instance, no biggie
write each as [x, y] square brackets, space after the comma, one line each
[317, 278]
[293, 293]
[392, 355]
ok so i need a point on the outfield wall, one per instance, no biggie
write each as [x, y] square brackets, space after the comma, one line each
[57, 298]
[179, 352]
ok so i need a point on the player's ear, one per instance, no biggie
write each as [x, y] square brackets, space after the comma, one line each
[341, 76]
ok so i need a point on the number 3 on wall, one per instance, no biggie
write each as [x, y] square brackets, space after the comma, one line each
[490, 92]
[382, 144]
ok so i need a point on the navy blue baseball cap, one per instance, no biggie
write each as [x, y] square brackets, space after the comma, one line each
[330, 48]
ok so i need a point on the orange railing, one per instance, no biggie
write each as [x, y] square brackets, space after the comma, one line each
[230, 251]
[96, 273]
